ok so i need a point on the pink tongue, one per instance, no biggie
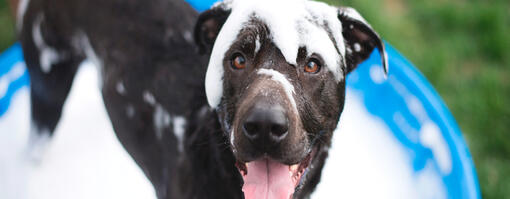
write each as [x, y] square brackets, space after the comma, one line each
[268, 179]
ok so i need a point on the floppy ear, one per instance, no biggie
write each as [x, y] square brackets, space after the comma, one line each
[360, 39]
[208, 26]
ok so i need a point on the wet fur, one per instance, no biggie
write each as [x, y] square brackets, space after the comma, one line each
[144, 45]
[318, 111]
[319, 97]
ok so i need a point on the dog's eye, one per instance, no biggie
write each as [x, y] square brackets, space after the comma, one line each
[238, 62]
[312, 66]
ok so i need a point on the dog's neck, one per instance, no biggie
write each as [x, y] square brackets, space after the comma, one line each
[207, 170]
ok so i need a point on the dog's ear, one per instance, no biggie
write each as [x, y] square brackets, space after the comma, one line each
[208, 26]
[360, 39]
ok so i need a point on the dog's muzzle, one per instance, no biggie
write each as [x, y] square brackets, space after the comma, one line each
[270, 143]
[266, 124]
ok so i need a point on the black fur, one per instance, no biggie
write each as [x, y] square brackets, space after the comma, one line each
[319, 97]
[146, 47]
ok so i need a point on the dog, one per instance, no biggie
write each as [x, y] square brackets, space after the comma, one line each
[239, 101]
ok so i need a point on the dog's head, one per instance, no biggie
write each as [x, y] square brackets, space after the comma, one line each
[276, 77]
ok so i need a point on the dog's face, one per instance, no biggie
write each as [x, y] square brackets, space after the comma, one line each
[277, 80]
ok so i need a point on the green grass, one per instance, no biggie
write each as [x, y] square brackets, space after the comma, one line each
[463, 48]
[7, 33]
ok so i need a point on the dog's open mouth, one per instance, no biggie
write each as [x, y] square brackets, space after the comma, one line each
[268, 179]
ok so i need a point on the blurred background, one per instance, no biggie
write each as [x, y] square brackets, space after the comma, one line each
[462, 47]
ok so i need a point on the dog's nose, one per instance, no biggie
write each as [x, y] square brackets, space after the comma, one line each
[266, 125]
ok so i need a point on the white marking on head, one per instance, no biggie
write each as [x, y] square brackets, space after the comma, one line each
[324, 46]
[120, 88]
[257, 44]
[149, 98]
[47, 55]
[280, 78]
[161, 120]
[179, 123]
[22, 8]
[292, 24]
[352, 13]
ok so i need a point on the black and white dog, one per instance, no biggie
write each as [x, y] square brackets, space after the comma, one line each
[255, 122]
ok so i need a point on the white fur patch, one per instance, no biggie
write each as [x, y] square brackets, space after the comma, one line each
[257, 45]
[292, 23]
[357, 47]
[232, 139]
[280, 78]
[161, 120]
[48, 55]
[121, 89]
[149, 98]
[179, 123]
[352, 13]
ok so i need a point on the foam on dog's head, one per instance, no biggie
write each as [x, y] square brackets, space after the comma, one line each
[292, 24]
